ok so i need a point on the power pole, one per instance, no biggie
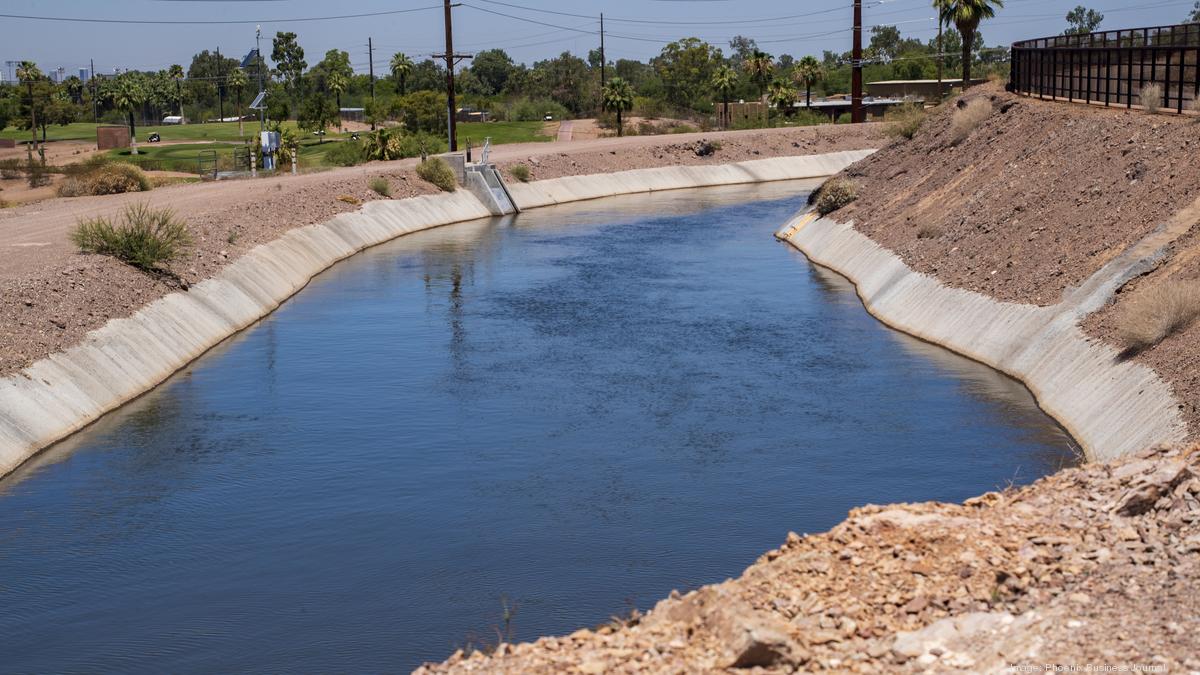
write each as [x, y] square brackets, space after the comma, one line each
[220, 87]
[451, 59]
[371, 66]
[856, 83]
[260, 66]
[92, 81]
[941, 55]
[603, 61]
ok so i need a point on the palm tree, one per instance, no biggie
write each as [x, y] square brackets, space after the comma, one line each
[237, 81]
[724, 80]
[760, 67]
[28, 72]
[618, 96]
[337, 84]
[175, 72]
[127, 96]
[782, 96]
[808, 72]
[966, 16]
[402, 67]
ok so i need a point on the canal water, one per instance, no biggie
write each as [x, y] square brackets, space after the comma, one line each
[570, 413]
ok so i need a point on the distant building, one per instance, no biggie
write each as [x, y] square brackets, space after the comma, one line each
[469, 114]
[85, 74]
[924, 90]
[351, 114]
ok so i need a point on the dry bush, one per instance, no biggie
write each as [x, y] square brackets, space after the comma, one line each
[381, 186]
[928, 232]
[520, 172]
[1196, 105]
[1157, 313]
[834, 194]
[349, 199]
[438, 172]
[1151, 97]
[145, 238]
[967, 118]
[105, 179]
[905, 121]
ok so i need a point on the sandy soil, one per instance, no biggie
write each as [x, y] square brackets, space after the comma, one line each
[51, 296]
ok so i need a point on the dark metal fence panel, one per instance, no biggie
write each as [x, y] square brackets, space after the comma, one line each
[1112, 67]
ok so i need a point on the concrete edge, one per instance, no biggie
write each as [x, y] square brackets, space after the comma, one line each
[68, 390]
[1111, 407]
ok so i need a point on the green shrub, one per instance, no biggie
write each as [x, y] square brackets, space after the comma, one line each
[96, 177]
[421, 144]
[145, 238]
[520, 172]
[904, 121]
[345, 153]
[532, 110]
[834, 194]
[381, 186]
[844, 118]
[438, 172]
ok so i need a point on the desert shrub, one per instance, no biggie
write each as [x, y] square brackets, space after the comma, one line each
[345, 153]
[904, 121]
[1151, 97]
[10, 169]
[532, 110]
[968, 117]
[349, 199]
[834, 194]
[520, 172]
[421, 144]
[1157, 313]
[104, 178]
[438, 172]
[144, 238]
[845, 118]
[928, 232]
[381, 186]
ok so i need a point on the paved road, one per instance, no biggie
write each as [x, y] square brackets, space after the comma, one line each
[565, 130]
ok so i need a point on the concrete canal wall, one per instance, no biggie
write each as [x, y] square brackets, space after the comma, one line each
[66, 391]
[1112, 407]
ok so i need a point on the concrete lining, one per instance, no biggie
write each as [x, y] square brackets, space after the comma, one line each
[68, 390]
[1112, 407]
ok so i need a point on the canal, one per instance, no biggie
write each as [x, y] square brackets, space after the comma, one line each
[570, 413]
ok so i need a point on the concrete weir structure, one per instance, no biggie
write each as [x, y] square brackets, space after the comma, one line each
[1112, 407]
[66, 391]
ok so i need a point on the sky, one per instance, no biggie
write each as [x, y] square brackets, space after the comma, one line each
[530, 30]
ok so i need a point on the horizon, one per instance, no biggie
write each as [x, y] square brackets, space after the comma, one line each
[528, 30]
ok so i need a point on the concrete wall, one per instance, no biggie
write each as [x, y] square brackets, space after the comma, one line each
[1111, 407]
[66, 391]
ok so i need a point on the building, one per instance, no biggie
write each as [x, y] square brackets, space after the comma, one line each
[922, 90]
[85, 74]
[352, 114]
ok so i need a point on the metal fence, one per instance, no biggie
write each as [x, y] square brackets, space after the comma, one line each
[1112, 67]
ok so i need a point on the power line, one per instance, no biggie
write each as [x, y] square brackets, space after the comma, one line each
[194, 22]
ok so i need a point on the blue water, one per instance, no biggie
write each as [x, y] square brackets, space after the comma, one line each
[574, 412]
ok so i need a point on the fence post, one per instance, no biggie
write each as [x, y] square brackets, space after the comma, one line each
[293, 161]
[253, 163]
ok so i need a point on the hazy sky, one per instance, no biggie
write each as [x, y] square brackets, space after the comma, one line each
[635, 28]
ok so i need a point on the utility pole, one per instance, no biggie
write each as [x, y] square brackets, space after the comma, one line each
[220, 87]
[260, 66]
[371, 66]
[92, 81]
[603, 61]
[856, 83]
[451, 59]
[941, 54]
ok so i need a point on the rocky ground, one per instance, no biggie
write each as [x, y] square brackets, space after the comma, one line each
[1094, 565]
[51, 295]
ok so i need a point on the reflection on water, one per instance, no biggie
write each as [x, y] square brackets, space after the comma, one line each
[576, 408]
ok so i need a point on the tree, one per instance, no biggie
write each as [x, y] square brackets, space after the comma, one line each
[128, 94]
[782, 96]
[760, 68]
[808, 71]
[288, 56]
[492, 67]
[1195, 15]
[401, 68]
[337, 83]
[966, 16]
[686, 68]
[176, 73]
[1081, 21]
[28, 72]
[723, 81]
[740, 49]
[237, 82]
[618, 96]
[317, 113]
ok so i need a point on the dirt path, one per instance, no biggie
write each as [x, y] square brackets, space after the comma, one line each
[564, 131]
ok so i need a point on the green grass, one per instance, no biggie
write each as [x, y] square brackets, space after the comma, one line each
[185, 157]
[501, 132]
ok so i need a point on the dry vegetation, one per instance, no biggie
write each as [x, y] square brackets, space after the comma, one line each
[834, 194]
[145, 237]
[439, 173]
[1157, 313]
[381, 187]
[104, 178]
[968, 117]
[1152, 96]
[905, 121]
